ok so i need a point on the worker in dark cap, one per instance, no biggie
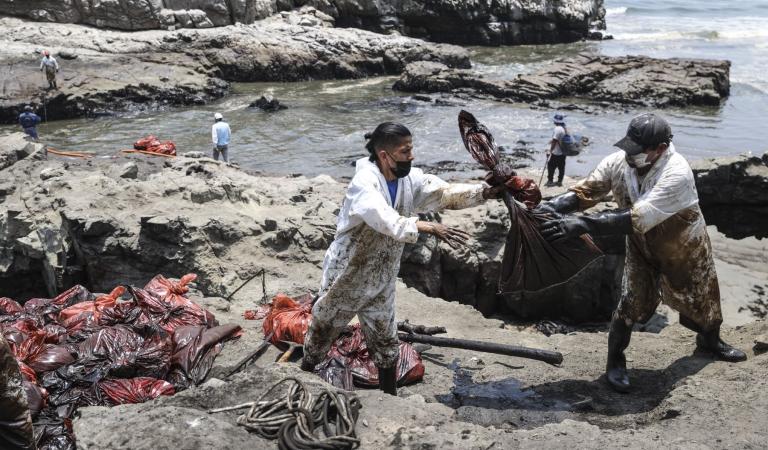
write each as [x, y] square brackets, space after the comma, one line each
[668, 252]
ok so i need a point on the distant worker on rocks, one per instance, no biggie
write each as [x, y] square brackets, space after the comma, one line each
[668, 252]
[220, 134]
[28, 121]
[377, 219]
[51, 68]
[556, 154]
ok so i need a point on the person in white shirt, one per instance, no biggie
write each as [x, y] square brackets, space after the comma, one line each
[668, 252]
[556, 153]
[220, 134]
[377, 218]
[51, 68]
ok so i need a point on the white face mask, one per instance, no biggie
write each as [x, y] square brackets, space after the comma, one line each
[638, 161]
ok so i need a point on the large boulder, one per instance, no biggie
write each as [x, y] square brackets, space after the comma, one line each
[626, 80]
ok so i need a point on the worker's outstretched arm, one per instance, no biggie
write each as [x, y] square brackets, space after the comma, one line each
[433, 194]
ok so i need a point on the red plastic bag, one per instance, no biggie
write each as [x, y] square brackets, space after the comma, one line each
[152, 144]
[194, 349]
[350, 349]
[51, 357]
[165, 148]
[288, 318]
[9, 307]
[37, 397]
[146, 142]
[172, 314]
[75, 294]
[69, 316]
[81, 314]
[135, 390]
[122, 352]
[170, 290]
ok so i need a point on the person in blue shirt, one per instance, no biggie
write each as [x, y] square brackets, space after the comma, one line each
[28, 121]
[220, 134]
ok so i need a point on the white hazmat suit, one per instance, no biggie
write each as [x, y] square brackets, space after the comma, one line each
[361, 265]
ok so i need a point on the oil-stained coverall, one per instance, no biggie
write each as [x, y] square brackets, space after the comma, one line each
[361, 265]
[669, 255]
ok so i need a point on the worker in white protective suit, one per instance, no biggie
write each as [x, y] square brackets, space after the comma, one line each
[668, 253]
[377, 219]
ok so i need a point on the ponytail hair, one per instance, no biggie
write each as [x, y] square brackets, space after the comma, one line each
[385, 136]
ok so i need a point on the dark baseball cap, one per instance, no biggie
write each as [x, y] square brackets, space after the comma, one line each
[645, 131]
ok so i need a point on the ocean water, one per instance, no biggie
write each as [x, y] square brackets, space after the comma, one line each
[321, 131]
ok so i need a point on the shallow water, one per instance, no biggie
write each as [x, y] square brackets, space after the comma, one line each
[322, 130]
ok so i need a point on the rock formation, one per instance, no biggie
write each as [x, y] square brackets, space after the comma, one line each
[114, 70]
[459, 22]
[625, 80]
[733, 193]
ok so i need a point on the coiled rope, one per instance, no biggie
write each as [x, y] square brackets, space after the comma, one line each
[299, 420]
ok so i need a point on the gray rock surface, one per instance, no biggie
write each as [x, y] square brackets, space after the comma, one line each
[16, 147]
[455, 21]
[625, 80]
[151, 69]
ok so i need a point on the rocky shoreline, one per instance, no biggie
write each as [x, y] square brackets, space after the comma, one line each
[509, 22]
[603, 81]
[123, 229]
[102, 221]
[108, 71]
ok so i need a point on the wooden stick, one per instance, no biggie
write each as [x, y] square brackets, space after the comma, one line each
[72, 154]
[148, 153]
[487, 347]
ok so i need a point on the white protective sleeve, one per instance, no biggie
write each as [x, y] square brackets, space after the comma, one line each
[433, 194]
[674, 191]
[367, 203]
[214, 138]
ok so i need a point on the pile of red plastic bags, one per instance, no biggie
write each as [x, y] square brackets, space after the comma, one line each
[80, 349]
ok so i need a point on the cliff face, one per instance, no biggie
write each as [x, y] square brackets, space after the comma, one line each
[456, 21]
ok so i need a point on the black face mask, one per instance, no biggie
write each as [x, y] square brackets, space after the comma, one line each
[402, 168]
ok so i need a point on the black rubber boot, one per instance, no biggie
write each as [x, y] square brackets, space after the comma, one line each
[710, 341]
[616, 367]
[388, 380]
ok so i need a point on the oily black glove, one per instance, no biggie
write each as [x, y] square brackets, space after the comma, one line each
[606, 223]
[563, 204]
[564, 228]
